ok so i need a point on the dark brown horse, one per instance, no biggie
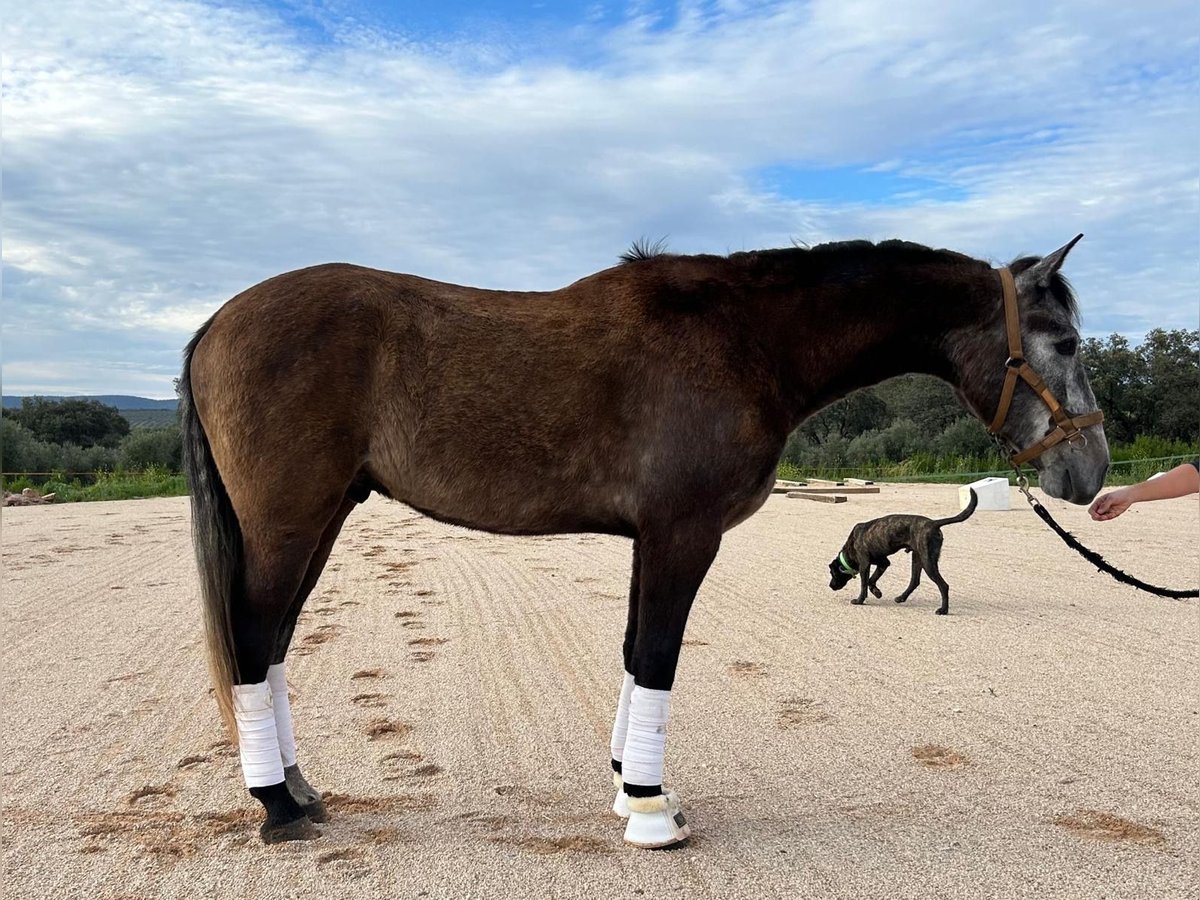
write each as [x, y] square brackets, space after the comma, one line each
[650, 400]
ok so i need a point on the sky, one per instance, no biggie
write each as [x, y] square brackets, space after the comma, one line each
[158, 156]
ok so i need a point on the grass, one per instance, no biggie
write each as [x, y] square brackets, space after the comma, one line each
[120, 485]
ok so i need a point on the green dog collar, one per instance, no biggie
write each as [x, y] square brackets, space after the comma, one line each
[846, 567]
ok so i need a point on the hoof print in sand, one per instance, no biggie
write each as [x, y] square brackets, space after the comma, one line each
[546, 846]
[346, 854]
[933, 756]
[745, 669]
[314, 639]
[378, 729]
[151, 790]
[369, 673]
[371, 701]
[188, 761]
[798, 711]
[1103, 826]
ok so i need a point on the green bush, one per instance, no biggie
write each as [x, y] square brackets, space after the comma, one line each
[157, 447]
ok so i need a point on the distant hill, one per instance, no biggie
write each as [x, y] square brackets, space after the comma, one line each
[120, 401]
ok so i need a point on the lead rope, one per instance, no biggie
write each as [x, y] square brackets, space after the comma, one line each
[1091, 555]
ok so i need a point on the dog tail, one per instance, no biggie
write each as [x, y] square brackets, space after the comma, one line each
[962, 516]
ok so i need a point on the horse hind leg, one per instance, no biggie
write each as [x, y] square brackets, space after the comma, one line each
[302, 792]
[273, 572]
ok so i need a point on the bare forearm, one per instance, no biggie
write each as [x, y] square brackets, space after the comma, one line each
[1178, 482]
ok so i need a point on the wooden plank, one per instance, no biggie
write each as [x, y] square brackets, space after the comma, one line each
[794, 484]
[858, 481]
[825, 482]
[838, 490]
[820, 498]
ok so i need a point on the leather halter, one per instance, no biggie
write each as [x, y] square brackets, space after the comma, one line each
[1068, 428]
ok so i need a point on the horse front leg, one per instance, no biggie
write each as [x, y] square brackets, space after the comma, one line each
[621, 721]
[672, 563]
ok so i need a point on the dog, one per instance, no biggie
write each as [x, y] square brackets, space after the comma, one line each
[871, 543]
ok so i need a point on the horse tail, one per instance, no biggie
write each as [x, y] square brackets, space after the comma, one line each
[217, 539]
[962, 516]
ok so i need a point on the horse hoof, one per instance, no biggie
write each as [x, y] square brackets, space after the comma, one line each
[899, 599]
[656, 823]
[297, 830]
[858, 602]
[315, 811]
[941, 612]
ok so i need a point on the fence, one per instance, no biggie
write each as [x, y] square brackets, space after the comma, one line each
[1125, 470]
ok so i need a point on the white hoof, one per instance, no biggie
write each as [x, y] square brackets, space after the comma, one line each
[656, 822]
[621, 801]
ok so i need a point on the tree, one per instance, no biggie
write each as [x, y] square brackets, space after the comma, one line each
[1172, 366]
[847, 418]
[147, 447]
[85, 423]
[1118, 376]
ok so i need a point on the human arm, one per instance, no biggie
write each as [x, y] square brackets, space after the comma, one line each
[1178, 482]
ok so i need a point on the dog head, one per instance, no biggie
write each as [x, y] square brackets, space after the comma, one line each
[840, 572]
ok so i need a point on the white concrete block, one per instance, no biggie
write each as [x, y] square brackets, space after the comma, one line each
[993, 494]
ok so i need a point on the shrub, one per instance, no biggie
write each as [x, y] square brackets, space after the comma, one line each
[146, 447]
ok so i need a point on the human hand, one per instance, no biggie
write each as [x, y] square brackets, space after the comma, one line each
[1110, 505]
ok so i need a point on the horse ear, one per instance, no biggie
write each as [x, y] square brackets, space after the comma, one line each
[1043, 270]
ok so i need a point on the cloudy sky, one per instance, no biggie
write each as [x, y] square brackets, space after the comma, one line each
[160, 156]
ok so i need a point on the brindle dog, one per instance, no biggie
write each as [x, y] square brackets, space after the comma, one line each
[871, 543]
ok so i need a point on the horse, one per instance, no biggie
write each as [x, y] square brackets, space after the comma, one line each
[650, 400]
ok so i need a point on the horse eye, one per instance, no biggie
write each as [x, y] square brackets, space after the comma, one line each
[1067, 347]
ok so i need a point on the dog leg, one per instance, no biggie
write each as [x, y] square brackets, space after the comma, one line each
[879, 570]
[862, 591]
[914, 580]
[931, 566]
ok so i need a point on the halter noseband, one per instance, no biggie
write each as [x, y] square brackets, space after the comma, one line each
[1068, 428]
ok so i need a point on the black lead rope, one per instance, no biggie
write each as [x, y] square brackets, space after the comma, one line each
[1091, 555]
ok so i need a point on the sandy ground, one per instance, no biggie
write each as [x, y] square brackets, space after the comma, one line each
[455, 690]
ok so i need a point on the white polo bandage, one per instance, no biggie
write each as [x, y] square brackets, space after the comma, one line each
[646, 740]
[257, 738]
[621, 722]
[283, 714]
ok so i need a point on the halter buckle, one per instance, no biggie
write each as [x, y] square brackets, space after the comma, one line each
[1014, 362]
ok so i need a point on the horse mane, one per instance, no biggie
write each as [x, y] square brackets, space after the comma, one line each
[644, 248]
[692, 280]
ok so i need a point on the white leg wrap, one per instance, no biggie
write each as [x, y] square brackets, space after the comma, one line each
[621, 723]
[259, 742]
[283, 714]
[646, 740]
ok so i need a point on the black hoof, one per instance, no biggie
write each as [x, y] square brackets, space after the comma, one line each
[900, 599]
[297, 830]
[305, 794]
[315, 811]
[858, 602]
[941, 612]
[875, 592]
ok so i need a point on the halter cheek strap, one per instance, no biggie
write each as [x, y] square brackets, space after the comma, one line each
[1068, 428]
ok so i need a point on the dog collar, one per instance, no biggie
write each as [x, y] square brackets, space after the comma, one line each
[846, 567]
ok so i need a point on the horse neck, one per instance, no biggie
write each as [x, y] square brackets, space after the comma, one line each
[840, 332]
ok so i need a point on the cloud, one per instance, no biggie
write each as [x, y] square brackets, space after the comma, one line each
[159, 157]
